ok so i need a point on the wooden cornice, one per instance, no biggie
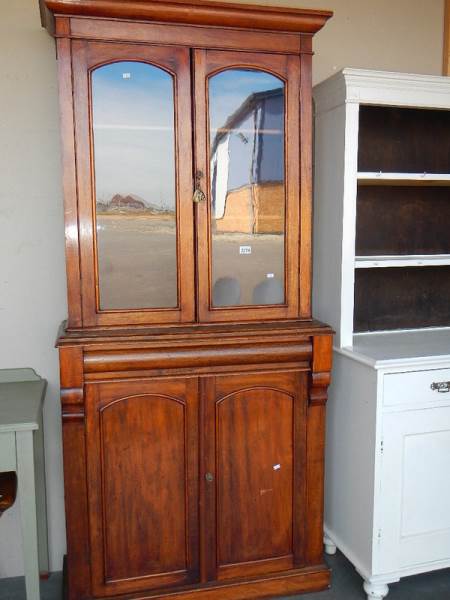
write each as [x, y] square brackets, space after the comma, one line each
[200, 12]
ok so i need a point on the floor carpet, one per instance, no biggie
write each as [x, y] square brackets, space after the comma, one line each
[346, 585]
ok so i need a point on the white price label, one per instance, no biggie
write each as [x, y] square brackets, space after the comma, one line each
[245, 249]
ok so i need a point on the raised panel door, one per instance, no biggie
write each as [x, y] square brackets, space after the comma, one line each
[415, 489]
[253, 474]
[143, 484]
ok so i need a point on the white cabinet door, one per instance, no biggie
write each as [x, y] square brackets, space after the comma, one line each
[415, 489]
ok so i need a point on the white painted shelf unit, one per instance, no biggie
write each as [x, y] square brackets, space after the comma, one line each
[382, 279]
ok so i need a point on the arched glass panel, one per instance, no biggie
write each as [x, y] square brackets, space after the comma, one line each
[248, 198]
[134, 159]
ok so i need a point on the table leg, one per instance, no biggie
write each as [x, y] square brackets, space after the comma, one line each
[27, 499]
[41, 504]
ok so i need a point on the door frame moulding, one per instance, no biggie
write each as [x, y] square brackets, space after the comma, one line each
[446, 50]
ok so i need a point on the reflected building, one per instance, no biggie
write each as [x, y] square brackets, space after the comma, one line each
[247, 167]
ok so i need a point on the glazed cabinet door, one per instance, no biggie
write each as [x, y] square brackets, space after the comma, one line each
[142, 484]
[133, 142]
[253, 474]
[247, 113]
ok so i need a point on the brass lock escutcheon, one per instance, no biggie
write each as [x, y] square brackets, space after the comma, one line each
[198, 196]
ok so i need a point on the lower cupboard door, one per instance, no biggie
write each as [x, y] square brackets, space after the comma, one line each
[253, 476]
[414, 530]
[142, 484]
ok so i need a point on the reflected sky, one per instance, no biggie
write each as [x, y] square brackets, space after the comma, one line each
[133, 120]
[229, 90]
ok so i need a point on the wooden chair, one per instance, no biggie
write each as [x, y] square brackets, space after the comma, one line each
[8, 490]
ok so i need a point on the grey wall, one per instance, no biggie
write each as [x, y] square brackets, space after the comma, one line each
[383, 34]
[393, 35]
[32, 286]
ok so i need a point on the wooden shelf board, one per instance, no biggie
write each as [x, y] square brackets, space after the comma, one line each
[416, 260]
[381, 178]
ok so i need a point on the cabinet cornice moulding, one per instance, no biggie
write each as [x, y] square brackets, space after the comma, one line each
[363, 86]
[271, 18]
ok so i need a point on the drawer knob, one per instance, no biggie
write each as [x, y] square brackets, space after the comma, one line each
[441, 386]
[209, 477]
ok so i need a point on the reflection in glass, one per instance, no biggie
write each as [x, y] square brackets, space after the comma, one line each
[133, 129]
[247, 187]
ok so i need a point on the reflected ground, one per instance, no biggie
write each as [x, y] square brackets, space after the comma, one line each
[139, 268]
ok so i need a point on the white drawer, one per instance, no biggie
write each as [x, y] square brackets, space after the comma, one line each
[426, 387]
[7, 451]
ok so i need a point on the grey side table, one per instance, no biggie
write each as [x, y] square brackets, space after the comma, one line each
[22, 394]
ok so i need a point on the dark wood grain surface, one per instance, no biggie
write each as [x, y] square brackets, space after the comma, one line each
[256, 419]
[402, 220]
[154, 432]
[8, 490]
[402, 298]
[193, 436]
[200, 12]
[403, 140]
[142, 460]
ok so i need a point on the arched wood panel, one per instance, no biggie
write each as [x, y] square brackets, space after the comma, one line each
[254, 475]
[142, 480]
[254, 464]
[143, 467]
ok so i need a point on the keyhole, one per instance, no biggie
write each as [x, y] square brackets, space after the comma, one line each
[198, 178]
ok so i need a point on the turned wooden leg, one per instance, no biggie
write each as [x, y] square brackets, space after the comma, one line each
[375, 591]
[330, 546]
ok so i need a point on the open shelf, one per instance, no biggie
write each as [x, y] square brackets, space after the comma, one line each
[402, 262]
[405, 221]
[414, 260]
[403, 179]
[406, 298]
[383, 176]
[403, 140]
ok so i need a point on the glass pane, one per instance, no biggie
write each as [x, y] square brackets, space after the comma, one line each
[247, 188]
[133, 128]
